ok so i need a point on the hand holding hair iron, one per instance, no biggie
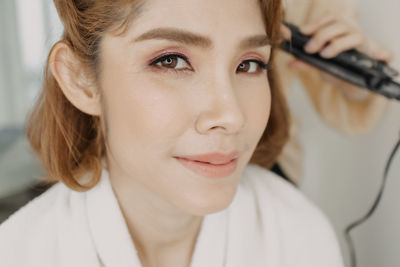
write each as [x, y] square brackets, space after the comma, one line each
[351, 66]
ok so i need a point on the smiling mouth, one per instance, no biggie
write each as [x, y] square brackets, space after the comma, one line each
[216, 165]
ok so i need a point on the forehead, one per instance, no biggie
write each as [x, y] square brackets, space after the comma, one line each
[214, 18]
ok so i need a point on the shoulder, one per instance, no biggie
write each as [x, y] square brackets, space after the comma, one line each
[304, 229]
[40, 205]
[286, 200]
[266, 185]
[32, 226]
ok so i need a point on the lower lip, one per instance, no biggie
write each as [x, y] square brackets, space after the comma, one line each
[210, 170]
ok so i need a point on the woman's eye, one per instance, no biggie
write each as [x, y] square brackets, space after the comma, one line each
[179, 62]
[175, 62]
[251, 66]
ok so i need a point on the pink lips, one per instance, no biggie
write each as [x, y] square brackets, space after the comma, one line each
[212, 165]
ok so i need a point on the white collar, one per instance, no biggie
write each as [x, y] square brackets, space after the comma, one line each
[233, 237]
[114, 244]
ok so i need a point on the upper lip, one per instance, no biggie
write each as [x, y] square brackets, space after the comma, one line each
[213, 158]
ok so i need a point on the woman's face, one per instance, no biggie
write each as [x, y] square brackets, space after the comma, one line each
[186, 79]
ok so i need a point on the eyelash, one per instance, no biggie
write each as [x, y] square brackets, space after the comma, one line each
[153, 63]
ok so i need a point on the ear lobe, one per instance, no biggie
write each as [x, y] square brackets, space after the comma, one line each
[75, 82]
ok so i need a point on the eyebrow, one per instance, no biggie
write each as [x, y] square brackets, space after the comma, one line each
[194, 39]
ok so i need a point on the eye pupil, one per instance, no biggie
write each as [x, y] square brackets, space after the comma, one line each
[170, 62]
[244, 66]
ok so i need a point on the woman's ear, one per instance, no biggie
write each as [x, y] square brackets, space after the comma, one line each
[74, 80]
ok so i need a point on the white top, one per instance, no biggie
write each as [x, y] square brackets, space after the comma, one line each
[269, 224]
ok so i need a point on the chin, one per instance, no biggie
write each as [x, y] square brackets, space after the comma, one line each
[209, 202]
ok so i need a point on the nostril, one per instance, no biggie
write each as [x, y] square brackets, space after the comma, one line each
[226, 116]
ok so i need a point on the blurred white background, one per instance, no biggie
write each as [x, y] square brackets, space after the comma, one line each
[28, 29]
[342, 176]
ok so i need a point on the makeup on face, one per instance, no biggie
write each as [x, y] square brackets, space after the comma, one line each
[212, 165]
[186, 102]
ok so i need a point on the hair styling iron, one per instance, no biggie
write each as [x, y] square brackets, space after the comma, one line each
[351, 66]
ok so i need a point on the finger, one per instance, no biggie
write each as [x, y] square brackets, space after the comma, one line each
[342, 44]
[311, 28]
[286, 32]
[325, 35]
[377, 52]
[382, 54]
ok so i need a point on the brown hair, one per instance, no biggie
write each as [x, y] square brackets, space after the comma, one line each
[70, 142]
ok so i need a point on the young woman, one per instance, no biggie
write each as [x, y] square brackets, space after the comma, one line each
[150, 115]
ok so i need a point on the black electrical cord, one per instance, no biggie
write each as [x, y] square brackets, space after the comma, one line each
[350, 227]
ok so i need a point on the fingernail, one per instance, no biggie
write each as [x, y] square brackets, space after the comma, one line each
[379, 54]
[310, 47]
[327, 53]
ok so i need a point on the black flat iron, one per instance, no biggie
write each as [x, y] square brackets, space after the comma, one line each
[351, 66]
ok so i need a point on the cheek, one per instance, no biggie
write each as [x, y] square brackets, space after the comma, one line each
[257, 105]
[143, 115]
[138, 108]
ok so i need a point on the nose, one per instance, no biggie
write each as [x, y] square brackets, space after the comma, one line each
[222, 111]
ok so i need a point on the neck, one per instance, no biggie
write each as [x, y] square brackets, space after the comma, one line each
[163, 235]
